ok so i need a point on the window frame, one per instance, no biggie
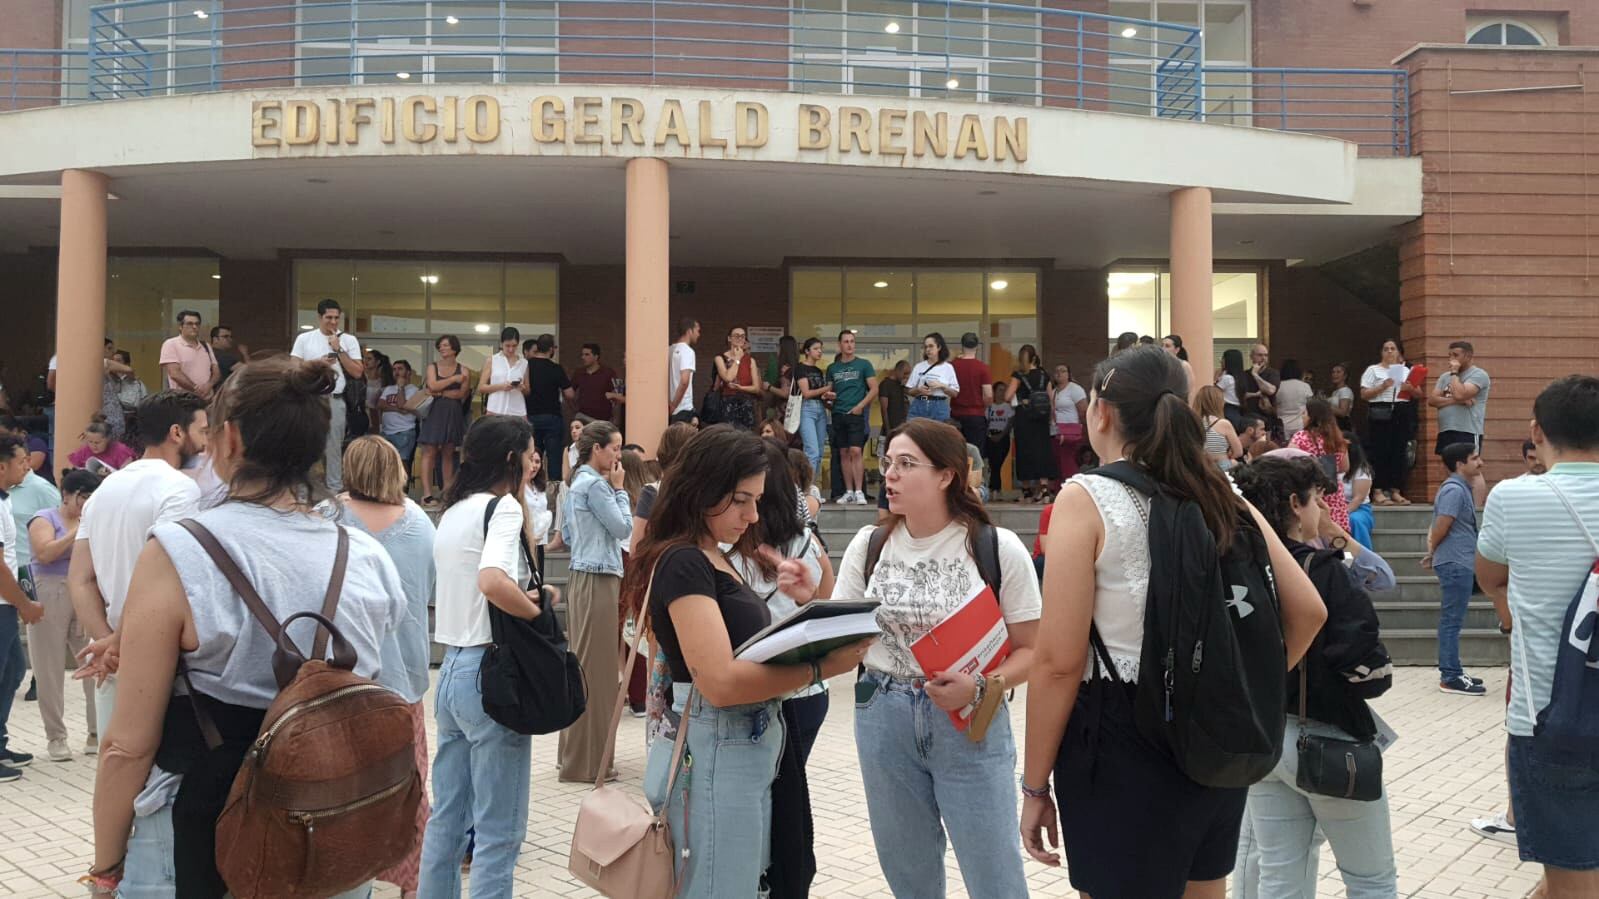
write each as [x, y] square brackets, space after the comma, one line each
[1505, 24]
[428, 50]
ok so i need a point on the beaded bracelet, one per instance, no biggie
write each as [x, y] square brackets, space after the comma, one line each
[1035, 792]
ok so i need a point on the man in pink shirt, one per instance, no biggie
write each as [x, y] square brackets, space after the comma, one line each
[186, 360]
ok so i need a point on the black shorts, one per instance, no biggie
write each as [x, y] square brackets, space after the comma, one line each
[1447, 438]
[849, 430]
[1133, 825]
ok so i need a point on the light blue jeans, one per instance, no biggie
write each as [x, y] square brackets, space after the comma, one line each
[480, 782]
[915, 765]
[813, 432]
[924, 407]
[1455, 583]
[730, 759]
[149, 871]
[1283, 821]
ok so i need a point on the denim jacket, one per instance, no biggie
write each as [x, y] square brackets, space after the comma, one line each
[597, 517]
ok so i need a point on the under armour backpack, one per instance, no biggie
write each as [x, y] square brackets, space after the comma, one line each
[1211, 682]
[1039, 405]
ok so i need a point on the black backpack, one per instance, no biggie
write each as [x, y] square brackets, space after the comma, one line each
[1212, 682]
[530, 681]
[1039, 406]
[987, 555]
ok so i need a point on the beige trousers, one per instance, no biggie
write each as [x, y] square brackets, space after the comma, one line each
[594, 630]
[52, 644]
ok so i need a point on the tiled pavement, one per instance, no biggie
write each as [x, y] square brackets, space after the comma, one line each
[1446, 767]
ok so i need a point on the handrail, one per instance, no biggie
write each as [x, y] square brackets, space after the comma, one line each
[993, 52]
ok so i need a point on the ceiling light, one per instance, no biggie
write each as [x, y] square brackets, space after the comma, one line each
[952, 83]
[403, 76]
[216, 277]
[481, 329]
[430, 279]
[451, 20]
[892, 28]
[879, 284]
[201, 14]
[1129, 31]
[305, 327]
[999, 284]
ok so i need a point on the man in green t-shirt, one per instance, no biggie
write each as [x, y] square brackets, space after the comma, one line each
[854, 387]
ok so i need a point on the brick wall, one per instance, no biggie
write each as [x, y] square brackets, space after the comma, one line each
[1503, 255]
[254, 302]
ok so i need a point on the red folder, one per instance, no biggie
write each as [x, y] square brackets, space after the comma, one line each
[972, 639]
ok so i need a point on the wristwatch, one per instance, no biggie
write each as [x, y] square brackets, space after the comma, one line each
[1339, 543]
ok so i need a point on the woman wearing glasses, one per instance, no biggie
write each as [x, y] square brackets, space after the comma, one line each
[740, 381]
[923, 776]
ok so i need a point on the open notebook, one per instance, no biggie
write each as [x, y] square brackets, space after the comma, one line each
[814, 630]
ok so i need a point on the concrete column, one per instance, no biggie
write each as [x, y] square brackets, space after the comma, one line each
[649, 327]
[1192, 312]
[80, 307]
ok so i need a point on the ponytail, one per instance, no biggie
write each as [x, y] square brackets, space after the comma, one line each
[1164, 435]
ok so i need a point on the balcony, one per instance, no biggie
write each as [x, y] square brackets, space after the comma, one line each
[994, 53]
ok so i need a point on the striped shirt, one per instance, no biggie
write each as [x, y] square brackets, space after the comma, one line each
[1526, 527]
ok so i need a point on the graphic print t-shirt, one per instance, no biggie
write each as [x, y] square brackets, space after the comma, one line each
[920, 581]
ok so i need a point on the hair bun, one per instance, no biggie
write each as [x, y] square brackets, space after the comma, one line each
[312, 379]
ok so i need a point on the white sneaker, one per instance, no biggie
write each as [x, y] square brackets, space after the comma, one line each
[1495, 828]
[91, 745]
[860, 497]
[58, 752]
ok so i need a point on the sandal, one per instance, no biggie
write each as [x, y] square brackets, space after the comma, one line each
[1400, 500]
[1381, 499]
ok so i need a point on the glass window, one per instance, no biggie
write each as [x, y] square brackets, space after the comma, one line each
[1226, 32]
[1140, 301]
[1012, 317]
[1505, 34]
[390, 298]
[950, 302]
[882, 81]
[532, 299]
[816, 301]
[878, 304]
[467, 299]
[1134, 297]
[316, 280]
[143, 296]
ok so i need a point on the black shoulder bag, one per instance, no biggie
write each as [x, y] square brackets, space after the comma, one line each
[531, 682]
[1333, 766]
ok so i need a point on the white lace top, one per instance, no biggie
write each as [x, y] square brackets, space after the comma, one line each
[1121, 573]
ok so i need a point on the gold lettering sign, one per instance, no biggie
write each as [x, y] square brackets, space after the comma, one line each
[700, 126]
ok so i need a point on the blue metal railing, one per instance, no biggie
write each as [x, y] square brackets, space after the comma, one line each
[34, 78]
[990, 52]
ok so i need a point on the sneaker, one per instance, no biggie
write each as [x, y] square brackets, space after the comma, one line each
[860, 498]
[1462, 686]
[91, 745]
[15, 759]
[1476, 680]
[1495, 828]
[58, 752]
[9, 773]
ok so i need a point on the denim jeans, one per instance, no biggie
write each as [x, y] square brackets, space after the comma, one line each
[405, 443]
[1283, 821]
[1456, 581]
[547, 432]
[480, 783]
[149, 871]
[730, 759]
[333, 448]
[915, 766]
[13, 665]
[808, 714]
[925, 407]
[813, 432]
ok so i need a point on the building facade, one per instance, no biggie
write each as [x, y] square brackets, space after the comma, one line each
[1317, 177]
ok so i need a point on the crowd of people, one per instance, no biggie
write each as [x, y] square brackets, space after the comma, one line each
[689, 554]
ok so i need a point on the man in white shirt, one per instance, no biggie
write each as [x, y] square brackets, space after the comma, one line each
[341, 352]
[680, 372]
[17, 609]
[118, 518]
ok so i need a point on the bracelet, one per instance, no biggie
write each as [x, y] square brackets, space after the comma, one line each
[982, 688]
[816, 673]
[1035, 792]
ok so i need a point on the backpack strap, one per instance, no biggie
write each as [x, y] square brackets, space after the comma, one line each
[538, 575]
[874, 551]
[286, 659]
[988, 557]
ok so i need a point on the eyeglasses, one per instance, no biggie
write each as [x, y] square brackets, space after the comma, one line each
[906, 464]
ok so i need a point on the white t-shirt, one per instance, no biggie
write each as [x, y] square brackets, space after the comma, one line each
[118, 517]
[920, 581]
[538, 508]
[1292, 395]
[506, 402]
[1342, 393]
[682, 360]
[314, 345]
[461, 612]
[1376, 374]
[398, 422]
[1348, 481]
[942, 372]
[1066, 400]
[1229, 389]
[8, 534]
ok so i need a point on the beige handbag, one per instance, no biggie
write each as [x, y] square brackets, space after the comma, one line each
[620, 848]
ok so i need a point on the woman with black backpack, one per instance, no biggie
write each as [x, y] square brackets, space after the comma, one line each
[1134, 819]
[1033, 394]
[1346, 667]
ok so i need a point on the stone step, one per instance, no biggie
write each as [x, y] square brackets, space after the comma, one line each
[1419, 646]
[1416, 515]
[1404, 540]
[1402, 615]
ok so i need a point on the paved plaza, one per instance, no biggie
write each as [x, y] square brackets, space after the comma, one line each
[1446, 768]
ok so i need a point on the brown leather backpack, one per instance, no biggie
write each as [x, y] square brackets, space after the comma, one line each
[327, 795]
